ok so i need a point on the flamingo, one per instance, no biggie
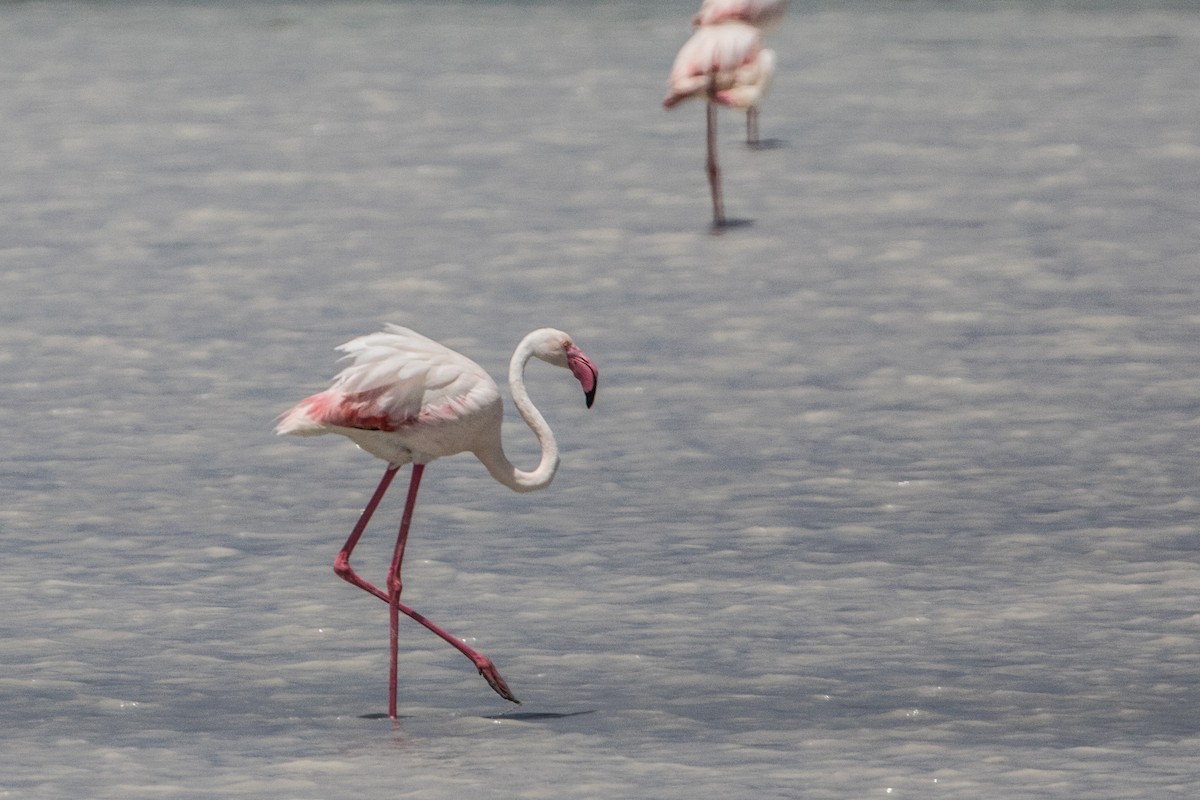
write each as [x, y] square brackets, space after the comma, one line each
[405, 398]
[727, 65]
[762, 14]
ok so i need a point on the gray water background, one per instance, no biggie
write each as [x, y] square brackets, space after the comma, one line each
[890, 492]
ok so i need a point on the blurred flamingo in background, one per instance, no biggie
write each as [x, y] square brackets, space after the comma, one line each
[727, 65]
[762, 14]
[407, 399]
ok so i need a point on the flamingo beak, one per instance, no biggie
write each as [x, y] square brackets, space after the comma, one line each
[584, 371]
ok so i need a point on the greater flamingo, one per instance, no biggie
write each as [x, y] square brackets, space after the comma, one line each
[407, 399]
[727, 65]
[762, 14]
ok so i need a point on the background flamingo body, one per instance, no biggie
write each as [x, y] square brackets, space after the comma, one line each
[750, 83]
[725, 64]
[762, 14]
[716, 59]
[407, 399]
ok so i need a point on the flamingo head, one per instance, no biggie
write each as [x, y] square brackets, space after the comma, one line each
[555, 347]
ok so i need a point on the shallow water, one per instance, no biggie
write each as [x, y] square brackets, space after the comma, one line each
[887, 492]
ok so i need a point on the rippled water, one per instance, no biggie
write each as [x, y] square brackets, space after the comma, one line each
[888, 492]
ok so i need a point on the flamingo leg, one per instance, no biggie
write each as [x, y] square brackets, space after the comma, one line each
[396, 585]
[714, 169]
[341, 564]
[482, 663]
[395, 608]
[752, 126]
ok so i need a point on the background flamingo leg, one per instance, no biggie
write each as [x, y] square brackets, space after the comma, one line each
[714, 169]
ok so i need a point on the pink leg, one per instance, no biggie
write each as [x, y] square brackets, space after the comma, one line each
[395, 585]
[395, 608]
[341, 564]
[482, 663]
[714, 170]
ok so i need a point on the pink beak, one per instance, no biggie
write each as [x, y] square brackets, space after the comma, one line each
[584, 371]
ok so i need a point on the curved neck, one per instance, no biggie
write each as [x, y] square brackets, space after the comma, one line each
[496, 461]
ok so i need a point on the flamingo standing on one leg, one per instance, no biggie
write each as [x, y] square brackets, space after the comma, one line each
[727, 65]
[762, 14]
[407, 399]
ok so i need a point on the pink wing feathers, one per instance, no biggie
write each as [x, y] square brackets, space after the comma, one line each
[760, 13]
[721, 58]
[396, 379]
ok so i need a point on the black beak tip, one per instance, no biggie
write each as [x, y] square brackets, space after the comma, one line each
[590, 397]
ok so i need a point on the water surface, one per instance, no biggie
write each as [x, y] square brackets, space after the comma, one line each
[888, 492]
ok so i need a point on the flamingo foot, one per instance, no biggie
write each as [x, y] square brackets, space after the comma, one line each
[488, 670]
